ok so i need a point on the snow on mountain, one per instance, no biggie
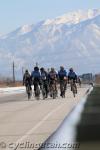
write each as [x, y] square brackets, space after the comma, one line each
[72, 40]
[74, 17]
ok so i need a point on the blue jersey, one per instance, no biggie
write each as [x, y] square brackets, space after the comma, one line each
[35, 74]
[72, 75]
[62, 74]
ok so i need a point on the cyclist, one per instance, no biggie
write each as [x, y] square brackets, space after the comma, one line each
[52, 77]
[72, 77]
[62, 74]
[35, 75]
[44, 82]
[79, 81]
[27, 80]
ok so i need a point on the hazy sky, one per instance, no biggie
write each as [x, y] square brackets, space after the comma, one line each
[15, 13]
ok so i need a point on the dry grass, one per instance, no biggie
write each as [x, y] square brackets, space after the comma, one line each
[10, 84]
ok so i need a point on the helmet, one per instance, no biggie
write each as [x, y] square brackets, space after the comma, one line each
[36, 68]
[42, 69]
[52, 69]
[71, 69]
[26, 71]
[61, 68]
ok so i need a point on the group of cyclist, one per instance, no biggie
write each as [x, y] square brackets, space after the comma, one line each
[49, 81]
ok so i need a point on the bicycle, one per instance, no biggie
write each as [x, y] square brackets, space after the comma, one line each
[53, 89]
[29, 91]
[44, 89]
[73, 87]
[37, 91]
[62, 88]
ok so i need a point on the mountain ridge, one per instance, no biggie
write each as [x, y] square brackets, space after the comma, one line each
[65, 44]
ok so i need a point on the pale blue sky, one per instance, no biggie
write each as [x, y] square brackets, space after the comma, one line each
[15, 13]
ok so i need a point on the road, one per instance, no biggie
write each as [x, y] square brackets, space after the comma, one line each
[24, 123]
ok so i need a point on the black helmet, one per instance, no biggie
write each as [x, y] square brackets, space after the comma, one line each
[36, 68]
[71, 69]
[42, 69]
[26, 71]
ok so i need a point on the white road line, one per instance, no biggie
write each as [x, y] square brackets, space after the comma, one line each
[36, 126]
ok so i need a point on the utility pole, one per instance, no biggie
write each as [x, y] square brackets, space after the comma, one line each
[22, 71]
[13, 72]
[36, 64]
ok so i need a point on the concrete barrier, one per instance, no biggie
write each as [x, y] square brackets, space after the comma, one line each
[65, 135]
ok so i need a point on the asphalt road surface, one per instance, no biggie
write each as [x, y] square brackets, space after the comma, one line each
[25, 124]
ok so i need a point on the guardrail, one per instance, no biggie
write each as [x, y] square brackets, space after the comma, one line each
[65, 136]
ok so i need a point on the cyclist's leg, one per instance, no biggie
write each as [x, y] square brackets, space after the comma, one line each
[37, 91]
[43, 90]
[26, 85]
[56, 89]
[74, 84]
[46, 89]
[71, 84]
[50, 88]
[26, 88]
[60, 88]
[35, 88]
[75, 87]
[53, 90]
[29, 92]
[64, 88]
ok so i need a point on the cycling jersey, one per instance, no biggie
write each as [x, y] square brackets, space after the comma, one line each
[62, 74]
[52, 75]
[44, 75]
[72, 75]
[35, 76]
[27, 79]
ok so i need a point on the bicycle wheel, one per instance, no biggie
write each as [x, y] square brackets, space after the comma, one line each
[29, 96]
[62, 89]
[43, 92]
[37, 93]
[54, 91]
[73, 87]
[74, 90]
[54, 94]
[29, 92]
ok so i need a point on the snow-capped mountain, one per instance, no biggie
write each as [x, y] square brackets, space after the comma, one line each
[74, 17]
[72, 40]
